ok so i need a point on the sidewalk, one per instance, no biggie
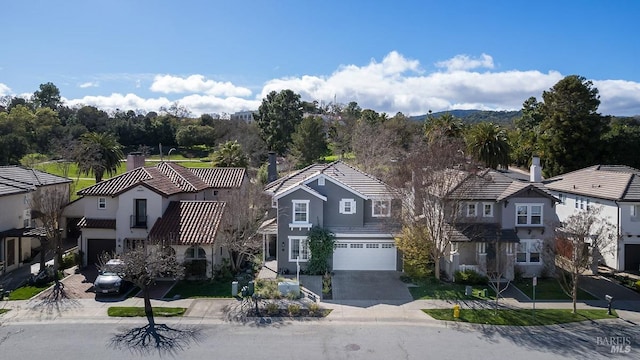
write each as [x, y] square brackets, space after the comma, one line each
[211, 311]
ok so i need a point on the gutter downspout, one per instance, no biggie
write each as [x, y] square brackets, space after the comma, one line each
[619, 236]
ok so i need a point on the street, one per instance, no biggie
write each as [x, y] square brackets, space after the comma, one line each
[326, 340]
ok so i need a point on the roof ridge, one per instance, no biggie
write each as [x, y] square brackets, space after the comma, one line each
[193, 187]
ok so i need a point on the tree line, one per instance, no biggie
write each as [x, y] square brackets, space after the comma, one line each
[563, 128]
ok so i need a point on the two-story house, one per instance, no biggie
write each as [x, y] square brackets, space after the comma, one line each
[168, 203]
[356, 207]
[501, 216]
[614, 188]
[19, 233]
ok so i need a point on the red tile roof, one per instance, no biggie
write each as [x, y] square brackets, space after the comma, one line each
[168, 179]
[97, 223]
[189, 222]
[221, 177]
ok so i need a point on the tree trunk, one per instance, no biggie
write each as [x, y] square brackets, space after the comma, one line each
[437, 268]
[148, 310]
[574, 290]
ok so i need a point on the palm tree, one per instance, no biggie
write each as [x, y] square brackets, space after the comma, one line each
[97, 154]
[444, 126]
[229, 154]
[488, 143]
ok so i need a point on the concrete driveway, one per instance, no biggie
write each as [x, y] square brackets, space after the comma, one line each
[374, 286]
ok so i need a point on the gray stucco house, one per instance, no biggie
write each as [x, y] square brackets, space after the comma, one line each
[503, 214]
[356, 207]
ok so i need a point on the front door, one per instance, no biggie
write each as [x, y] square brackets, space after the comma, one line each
[11, 252]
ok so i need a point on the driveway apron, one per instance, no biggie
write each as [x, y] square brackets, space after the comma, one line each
[369, 285]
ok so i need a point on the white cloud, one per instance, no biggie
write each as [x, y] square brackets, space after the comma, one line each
[396, 84]
[89, 84]
[4, 90]
[196, 84]
[464, 62]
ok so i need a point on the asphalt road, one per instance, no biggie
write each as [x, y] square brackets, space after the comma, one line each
[316, 340]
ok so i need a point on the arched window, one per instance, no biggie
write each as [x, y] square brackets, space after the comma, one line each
[195, 252]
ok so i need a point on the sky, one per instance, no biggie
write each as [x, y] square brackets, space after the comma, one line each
[390, 56]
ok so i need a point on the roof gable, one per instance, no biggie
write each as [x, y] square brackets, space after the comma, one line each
[18, 179]
[609, 182]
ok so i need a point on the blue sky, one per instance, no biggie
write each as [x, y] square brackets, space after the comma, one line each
[390, 56]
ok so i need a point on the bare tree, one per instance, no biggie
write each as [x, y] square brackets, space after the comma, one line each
[374, 147]
[244, 212]
[141, 266]
[498, 263]
[582, 237]
[436, 177]
[47, 205]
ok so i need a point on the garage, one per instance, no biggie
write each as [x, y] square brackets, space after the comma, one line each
[364, 255]
[632, 257]
[95, 248]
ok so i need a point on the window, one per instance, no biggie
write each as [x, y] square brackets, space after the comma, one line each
[102, 203]
[471, 209]
[298, 247]
[487, 210]
[528, 252]
[528, 214]
[139, 217]
[381, 208]
[300, 211]
[356, 246]
[582, 203]
[195, 252]
[347, 206]
[373, 246]
[563, 198]
[635, 213]
[320, 181]
[341, 246]
[388, 246]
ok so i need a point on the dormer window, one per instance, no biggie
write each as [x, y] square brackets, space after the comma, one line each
[347, 206]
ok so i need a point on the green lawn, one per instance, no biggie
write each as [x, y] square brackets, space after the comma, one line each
[27, 292]
[134, 311]
[2, 311]
[434, 289]
[548, 289]
[201, 289]
[519, 317]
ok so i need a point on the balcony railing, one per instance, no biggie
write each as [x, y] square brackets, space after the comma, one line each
[137, 221]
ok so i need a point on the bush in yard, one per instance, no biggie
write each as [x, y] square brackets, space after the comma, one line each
[294, 309]
[321, 242]
[68, 261]
[470, 277]
[638, 285]
[314, 309]
[272, 308]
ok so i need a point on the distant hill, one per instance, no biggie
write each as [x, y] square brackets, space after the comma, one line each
[476, 116]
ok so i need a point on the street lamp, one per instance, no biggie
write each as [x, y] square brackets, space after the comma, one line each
[169, 154]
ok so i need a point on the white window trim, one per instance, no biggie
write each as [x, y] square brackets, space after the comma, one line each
[373, 207]
[321, 181]
[299, 224]
[102, 203]
[528, 246]
[530, 214]
[299, 239]
[484, 205]
[475, 209]
[351, 202]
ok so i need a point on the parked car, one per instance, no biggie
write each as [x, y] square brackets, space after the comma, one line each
[109, 280]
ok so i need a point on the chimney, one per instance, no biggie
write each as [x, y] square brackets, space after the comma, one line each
[535, 172]
[135, 160]
[272, 168]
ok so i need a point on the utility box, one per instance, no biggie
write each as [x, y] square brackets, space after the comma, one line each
[468, 290]
[234, 288]
[287, 287]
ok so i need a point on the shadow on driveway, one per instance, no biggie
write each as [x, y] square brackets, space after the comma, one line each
[372, 287]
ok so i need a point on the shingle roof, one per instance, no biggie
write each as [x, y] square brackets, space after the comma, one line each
[495, 185]
[97, 223]
[611, 182]
[221, 178]
[18, 179]
[189, 222]
[482, 233]
[165, 178]
[347, 175]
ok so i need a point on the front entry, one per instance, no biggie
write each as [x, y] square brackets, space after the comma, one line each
[632, 257]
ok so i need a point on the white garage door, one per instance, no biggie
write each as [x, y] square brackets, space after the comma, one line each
[364, 255]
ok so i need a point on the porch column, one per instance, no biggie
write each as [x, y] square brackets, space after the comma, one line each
[454, 263]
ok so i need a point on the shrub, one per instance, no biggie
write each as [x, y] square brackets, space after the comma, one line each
[326, 283]
[292, 295]
[314, 309]
[294, 309]
[68, 261]
[470, 277]
[272, 308]
[638, 285]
